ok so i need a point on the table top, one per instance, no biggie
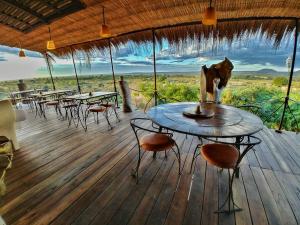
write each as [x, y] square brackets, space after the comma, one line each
[227, 121]
[87, 96]
[22, 92]
[47, 93]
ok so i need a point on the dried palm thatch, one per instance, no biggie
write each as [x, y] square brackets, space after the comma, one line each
[174, 20]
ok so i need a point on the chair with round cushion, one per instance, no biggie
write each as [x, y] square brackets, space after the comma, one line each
[71, 112]
[154, 141]
[56, 105]
[110, 105]
[228, 156]
[100, 109]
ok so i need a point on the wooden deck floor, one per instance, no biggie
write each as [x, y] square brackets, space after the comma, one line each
[66, 176]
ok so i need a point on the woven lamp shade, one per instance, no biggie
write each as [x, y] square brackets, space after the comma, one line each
[210, 17]
[22, 53]
[50, 45]
[104, 31]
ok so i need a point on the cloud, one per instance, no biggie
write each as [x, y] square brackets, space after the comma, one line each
[2, 59]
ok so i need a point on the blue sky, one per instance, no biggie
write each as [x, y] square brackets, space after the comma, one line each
[249, 54]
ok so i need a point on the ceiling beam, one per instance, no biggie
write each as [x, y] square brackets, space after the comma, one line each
[25, 9]
[14, 18]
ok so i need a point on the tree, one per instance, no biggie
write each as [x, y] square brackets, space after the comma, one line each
[280, 81]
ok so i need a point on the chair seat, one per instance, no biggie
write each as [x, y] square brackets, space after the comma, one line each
[156, 142]
[97, 109]
[52, 103]
[220, 155]
[70, 106]
[107, 104]
[93, 103]
[67, 100]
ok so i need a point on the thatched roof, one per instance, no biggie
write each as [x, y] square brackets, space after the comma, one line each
[174, 20]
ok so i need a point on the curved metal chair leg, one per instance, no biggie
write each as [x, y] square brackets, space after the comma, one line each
[229, 199]
[178, 158]
[194, 157]
[135, 173]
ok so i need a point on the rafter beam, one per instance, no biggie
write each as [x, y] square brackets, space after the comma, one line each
[14, 18]
[25, 9]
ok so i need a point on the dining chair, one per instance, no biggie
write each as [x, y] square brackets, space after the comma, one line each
[100, 109]
[154, 141]
[227, 155]
[111, 106]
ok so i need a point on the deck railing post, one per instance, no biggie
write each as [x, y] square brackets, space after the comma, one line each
[75, 70]
[49, 69]
[286, 101]
[113, 71]
[154, 67]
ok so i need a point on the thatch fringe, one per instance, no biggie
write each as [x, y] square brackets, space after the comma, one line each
[182, 36]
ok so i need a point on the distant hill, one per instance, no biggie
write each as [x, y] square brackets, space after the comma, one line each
[264, 72]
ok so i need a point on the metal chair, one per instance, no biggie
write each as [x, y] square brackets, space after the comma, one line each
[154, 141]
[226, 155]
[100, 109]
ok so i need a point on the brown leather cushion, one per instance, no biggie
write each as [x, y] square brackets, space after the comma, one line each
[220, 155]
[107, 104]
[70, 106]
[93, 103]
[156, 142]
[52, 103]
[97, 109]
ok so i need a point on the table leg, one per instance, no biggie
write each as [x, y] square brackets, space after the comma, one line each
[237, 144]
[154, 153]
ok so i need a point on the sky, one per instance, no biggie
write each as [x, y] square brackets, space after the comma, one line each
[248, 54]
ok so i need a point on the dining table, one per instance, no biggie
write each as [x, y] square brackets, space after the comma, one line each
[222, 121]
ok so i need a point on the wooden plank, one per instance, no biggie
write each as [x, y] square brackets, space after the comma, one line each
[290, 187]
[224, 218]
[180, 200]
[74, 210]
[112, 207]
[286, 213]
[196, 196]
[210, 201]
[269, 203]
[240, 197]
[256, 207]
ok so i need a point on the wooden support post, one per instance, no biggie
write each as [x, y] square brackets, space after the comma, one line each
[78, 85]
[154, 68]
[113, 72]
[49, 69]
[286, 101]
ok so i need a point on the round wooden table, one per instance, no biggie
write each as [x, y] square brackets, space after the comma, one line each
[227, 121]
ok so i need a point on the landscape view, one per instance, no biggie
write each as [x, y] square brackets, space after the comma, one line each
[260, 75]
[264, 91]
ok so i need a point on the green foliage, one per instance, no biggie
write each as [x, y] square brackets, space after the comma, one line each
[280, 81]
[261, 92]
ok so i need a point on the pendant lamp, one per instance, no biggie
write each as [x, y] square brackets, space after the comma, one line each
[50, 43]
[21, 52]
[104, 29]
[210, 16]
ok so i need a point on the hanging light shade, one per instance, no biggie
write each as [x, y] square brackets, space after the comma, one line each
[210, 16]
[22, 53]
[104, 29]
[50, 43]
